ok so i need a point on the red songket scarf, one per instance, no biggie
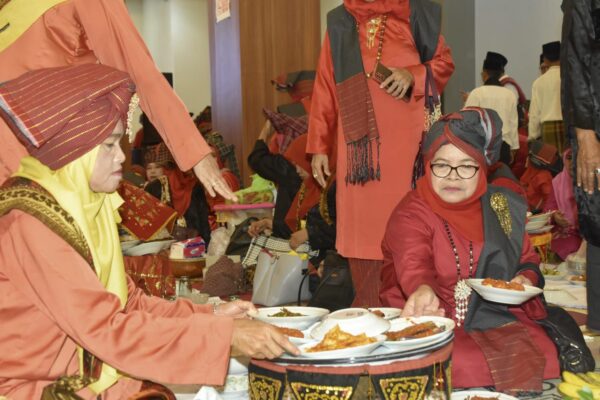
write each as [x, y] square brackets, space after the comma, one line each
[465, 216]
[310, 192]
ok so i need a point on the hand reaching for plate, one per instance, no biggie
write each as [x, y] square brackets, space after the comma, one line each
[259, 340]
[423, 301]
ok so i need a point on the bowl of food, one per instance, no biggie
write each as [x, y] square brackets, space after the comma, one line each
[576, 265]
[540, 217]
[554, 272]
[290, 317]
[352, 320]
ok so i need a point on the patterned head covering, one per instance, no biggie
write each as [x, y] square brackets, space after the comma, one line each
[158, 154]
[476, 131]
[62, 113]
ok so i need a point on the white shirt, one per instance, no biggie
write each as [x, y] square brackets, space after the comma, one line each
[545, 101]
[503, 101]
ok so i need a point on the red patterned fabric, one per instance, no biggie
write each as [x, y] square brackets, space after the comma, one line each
[61, 113]
[143, 215]
[152, 274]
[289, 127]
[366, 281]
[158, 154]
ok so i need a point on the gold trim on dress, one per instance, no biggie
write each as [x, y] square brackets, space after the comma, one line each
[499, 204]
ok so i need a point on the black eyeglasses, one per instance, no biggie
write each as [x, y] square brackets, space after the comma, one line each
[463, 171]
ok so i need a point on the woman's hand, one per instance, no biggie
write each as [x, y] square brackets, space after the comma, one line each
[298, 238]
[208, 172]
[522, 280]
[423, 302]
[259, 340]
[235, 309]
[398, 83]
[258, 227]
[560, 219]
[320, 168]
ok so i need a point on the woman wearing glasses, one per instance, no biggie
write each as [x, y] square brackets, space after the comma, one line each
[454, 227]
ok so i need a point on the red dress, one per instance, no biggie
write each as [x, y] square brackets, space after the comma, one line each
[538, 186]
[363, 211]
[417, 252]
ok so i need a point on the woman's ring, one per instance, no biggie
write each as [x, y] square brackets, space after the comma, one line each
[597, 170]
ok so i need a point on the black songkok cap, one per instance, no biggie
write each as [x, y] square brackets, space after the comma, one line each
[494, 61]
[551, 51]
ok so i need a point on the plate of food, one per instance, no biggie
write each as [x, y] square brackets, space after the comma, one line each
[416, 332]
[351, 320]
[386, 312]
[296, 336]
[578, 280]
[499, 291]
[554, 272]
[480, 395]
[338, 344]
[290, 317]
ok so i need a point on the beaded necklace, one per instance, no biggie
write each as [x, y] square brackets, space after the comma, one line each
[462, 291]
[372, 28]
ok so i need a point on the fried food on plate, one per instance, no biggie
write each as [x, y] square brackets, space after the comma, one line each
[423, 329]
[337, 339]
[286, 313]
[290, 332]
[500, 284]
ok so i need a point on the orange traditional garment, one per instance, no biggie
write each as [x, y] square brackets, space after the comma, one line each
[87, 32]
[363, 210]
[57, 289]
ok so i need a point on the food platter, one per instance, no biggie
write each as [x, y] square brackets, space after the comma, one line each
[503, 296]
[380, 354]
[308, 316]
[414, 343]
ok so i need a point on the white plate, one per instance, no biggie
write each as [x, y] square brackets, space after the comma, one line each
[129, 244]
[540, 217]
[543, 229]
[483, 393]
[310, 315]
[561, 270]
[504, 296]
[352, 320]
[388, 312]
[341, 353]
[575, 282]
[148, 248]
[408, 344]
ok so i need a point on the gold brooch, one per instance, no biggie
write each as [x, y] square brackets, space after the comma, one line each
[499, 204]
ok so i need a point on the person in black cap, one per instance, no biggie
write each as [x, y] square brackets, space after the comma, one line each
[494, 66]
[545, 115]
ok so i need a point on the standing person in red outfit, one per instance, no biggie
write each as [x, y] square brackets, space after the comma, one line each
[434, 241]
[55, 33]
[376, 127]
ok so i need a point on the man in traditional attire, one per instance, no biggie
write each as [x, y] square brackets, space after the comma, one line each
[545, 115]
[68, 308]
[358, 110]
[495, 96]
[52, 33]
